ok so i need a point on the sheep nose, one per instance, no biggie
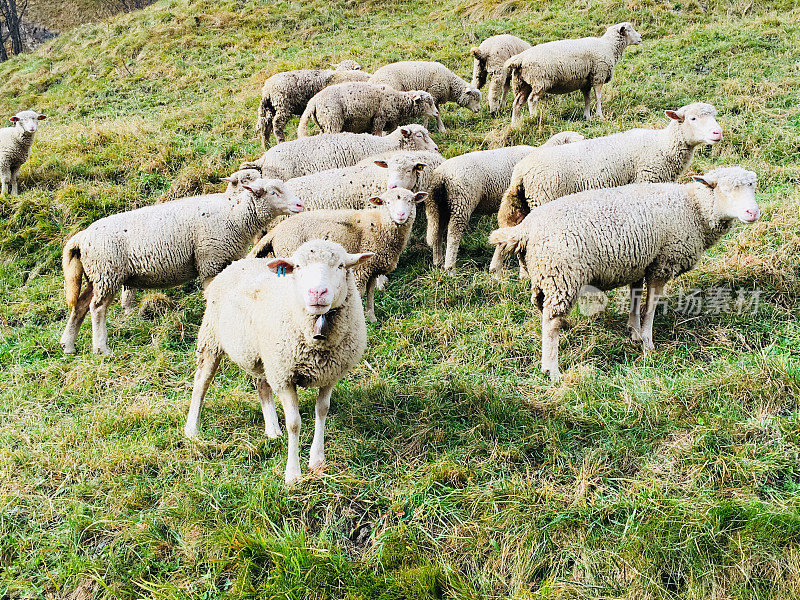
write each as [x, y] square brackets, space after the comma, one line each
[317, 294]
[391, 186]
[752, 214]
[716, 135]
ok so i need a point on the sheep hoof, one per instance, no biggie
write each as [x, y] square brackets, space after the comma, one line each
[647, 345]
[291, 477]
[104, 351]
[273, 433]
[636, 336]
[371, 317]
[191, 433]
[554, 374]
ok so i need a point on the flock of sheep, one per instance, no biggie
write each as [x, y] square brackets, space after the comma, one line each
[604, 212]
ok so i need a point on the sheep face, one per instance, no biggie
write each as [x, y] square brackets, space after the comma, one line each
[416, 137]
[400, 203]
[734, 193]
[627, 32]
[404, 171]
[318, 271]
[28, 120]
[239, 178]
[425, 104]
[471, 99]
[273, 198]
[698, 123]
[347, 65]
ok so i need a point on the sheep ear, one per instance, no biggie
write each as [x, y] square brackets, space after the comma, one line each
[420, 196]
[405, 132]
[417, 97]
[376, 200]
[229, 180]
[622, 30]
[14, 119]
[674, 116]
[419, 167]
[475, 52]
[351, 260]
[42, 117]
[709, 183]
[281, 266]
[382, 163]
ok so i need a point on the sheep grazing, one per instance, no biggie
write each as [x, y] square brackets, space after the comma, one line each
[633, 156]
[472, 183]
[434, 78]
[287, 94]
[364, 108]
[630, 235]
[489, 63]
[383, 230]
[15, 147]
[162, 246]
[566, 66]
[336, 150]
[289, 322]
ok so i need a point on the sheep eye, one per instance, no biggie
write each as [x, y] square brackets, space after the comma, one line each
[693, 119]
[341, 266]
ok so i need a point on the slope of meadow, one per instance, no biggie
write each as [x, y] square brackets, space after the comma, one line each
[455, 469]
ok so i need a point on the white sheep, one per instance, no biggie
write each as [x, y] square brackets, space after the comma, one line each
[317, 153]
[489, 63]
[383, 230]
[565, 66]
[434, 78]
[361, 107]
[160, 246]
[633, 156]
[15, 147]
[472, 183]
[630, 235]
[288, 322]
[287, 94]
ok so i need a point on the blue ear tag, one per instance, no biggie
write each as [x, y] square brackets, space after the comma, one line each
[282, 271]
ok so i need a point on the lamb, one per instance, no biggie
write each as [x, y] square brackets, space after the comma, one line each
[633, 156]
[286, 94]
[364, 108]
[383, 230]
[289, 322]
[564, 66]
[433, 77]
[336, 150]
[15, 147]
[162, 245]
[629, 235]
[489, 62]
[472, 182]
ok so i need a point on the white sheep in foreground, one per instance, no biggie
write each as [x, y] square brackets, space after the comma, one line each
[433, 77]
[288, 322]
[287, 94]
[15, 147]
[565, 66]
[633, 156]
[364, 108]
[162, 246]
[383, 230]
[472, 183]
[630, 235]
[317, 153]
[489, 63]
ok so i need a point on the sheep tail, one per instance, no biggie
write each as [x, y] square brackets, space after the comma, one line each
[305, 119]
[264, 123]
[73, 270]
[510, 240]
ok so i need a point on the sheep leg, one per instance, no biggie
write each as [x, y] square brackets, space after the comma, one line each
[279, 121]
[439, 123]
[76, 317]
[14, 187]
[532, 100]
[127, 300]
[5, 182]
[551, 326]
[523, 270]
[497, 91]
[654, 290]
[369, 303]
[455, 231]
[207, 363]
[98, 307]
[496, 267]
[521, 93]
[587, 93]
[291, 411]
[634, 316]
[272, 428]
[317, 456]
[478, 73]
[598, 103]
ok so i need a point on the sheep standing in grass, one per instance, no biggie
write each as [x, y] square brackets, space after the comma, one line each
[489, 63]
[566, 66]
[383, 230]
[472, 183]
[633, 156]
[364, 108]
[630, 235]
[162, 246]
[15, 147]
[433, 77]
[336, 150]
[288, 322]
[287, 94]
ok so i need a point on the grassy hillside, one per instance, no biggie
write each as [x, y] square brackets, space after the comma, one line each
[455, 469]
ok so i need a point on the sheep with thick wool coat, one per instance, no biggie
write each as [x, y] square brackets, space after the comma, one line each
[633, 156]
[383, 230]
[433, 77]
[489, 60]
[161, 246]
[565, 66]
[336, 150]
[288, 322]
[15, 147]
[286, 94]
[630, 235]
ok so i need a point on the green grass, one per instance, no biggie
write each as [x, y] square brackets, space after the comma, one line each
[455, 469]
